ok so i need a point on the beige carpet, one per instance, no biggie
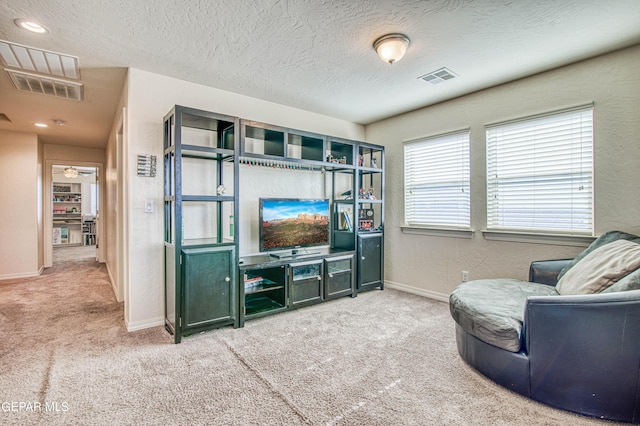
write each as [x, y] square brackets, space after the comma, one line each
[383, 358]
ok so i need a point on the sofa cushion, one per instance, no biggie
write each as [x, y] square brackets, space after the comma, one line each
[601, 268]
[629, 282]
[603, 239]
[493, 310]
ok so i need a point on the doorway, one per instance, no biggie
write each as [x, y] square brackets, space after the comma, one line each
[74, 211]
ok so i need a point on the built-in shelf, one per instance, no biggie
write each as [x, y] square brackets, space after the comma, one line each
[67, 214]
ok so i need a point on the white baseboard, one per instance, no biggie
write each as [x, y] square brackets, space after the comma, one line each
[21, 275]
[419, 291]
[139, 325]
[113, 284]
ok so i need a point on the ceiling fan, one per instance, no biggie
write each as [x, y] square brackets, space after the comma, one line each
[72, 172]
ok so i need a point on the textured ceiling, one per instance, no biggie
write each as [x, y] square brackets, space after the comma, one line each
[314, 55]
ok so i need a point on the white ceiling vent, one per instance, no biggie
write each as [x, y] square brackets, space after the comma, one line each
[45, 85]
[438, 76]
[36, 60]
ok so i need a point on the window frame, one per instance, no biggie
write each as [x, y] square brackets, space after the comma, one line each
[452, 227]
[579, 168]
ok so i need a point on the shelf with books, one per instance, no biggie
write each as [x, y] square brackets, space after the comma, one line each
[258, 284]
[67, 213]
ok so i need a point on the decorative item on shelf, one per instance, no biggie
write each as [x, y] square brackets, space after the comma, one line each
[366, 214]
[346, 195]
[366, 225]
[366, 195]
[335, 160]
[221, 190]
[360, 160]
[374, 163]
[365, 219]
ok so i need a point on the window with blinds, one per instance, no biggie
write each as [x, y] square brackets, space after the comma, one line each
[540, 173]
[437, 181]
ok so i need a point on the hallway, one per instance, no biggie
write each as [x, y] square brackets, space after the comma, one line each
[58, 329]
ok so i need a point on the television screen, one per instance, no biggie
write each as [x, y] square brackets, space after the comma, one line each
[293, 222]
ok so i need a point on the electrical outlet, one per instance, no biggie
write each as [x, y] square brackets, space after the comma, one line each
[465, 276]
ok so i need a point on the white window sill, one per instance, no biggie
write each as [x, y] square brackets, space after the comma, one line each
[552, 239]
[438, 232]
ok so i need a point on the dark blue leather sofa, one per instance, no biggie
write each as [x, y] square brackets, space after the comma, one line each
[579, 353]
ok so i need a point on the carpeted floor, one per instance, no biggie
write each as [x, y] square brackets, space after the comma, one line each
[383, 358]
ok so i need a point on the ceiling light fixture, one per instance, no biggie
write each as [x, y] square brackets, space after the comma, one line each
[40, 124]
[391, 47]
[32, 26]
[70, 172]
[58, 122]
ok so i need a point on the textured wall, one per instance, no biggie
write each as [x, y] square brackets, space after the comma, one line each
[433, 265]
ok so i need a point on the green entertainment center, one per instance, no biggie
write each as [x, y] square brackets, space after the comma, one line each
[212, 277]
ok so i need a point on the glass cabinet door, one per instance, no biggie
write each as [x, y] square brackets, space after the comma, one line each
[305, 283]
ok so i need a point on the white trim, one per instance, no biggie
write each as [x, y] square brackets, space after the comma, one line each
[417, 291]
[21, 275]
[140, 325]
[552, 239]
[541, 115]
[438, 232]
[48, 206]
[113, 284]
[426, 138]
[122, 213]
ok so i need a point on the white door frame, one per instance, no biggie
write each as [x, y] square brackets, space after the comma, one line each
[48, 207]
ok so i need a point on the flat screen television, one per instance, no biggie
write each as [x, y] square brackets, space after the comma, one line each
[292, 223]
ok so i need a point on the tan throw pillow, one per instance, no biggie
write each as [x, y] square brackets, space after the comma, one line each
[601, 268]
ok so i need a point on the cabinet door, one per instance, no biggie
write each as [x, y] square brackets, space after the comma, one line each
[208, 283]
[305, 283]
[370, 261]
[338, 277]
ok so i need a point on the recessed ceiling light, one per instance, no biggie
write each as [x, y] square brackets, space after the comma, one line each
[32, 26]
[40, 125]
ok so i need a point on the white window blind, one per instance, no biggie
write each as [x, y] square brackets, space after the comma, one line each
[436, 176]
[540, 173]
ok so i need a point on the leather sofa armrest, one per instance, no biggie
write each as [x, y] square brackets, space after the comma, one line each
[546, 271]
[584, 351]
